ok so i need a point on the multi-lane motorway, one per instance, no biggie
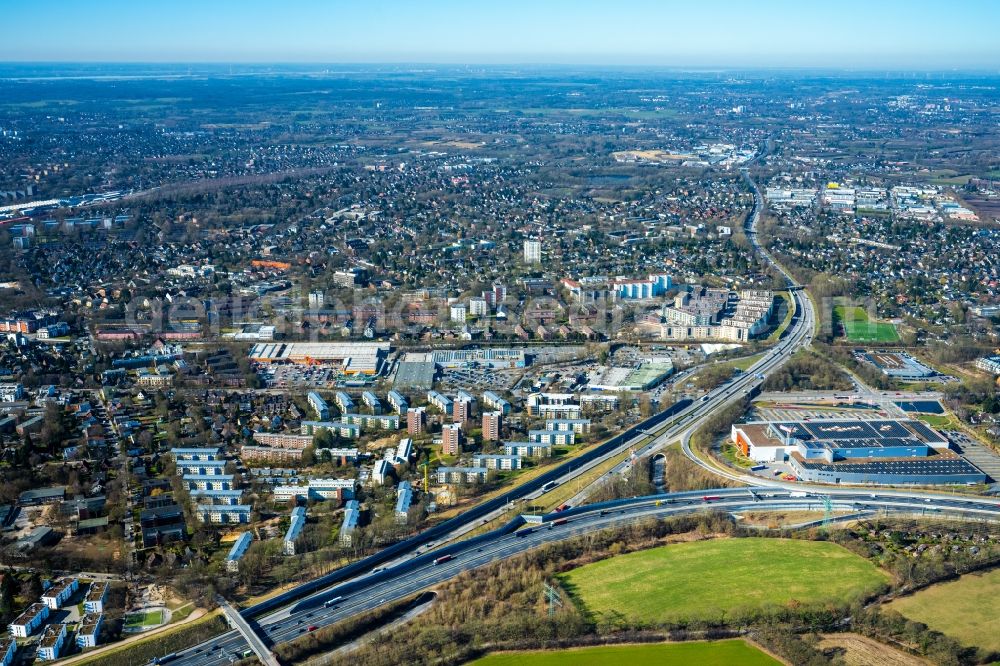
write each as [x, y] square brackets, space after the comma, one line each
[410, 576]
[408, 567]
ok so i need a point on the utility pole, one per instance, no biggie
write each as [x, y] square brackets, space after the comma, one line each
[553, 598]
[827, 511]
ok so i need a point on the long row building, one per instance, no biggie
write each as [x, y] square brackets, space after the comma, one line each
[888, 451]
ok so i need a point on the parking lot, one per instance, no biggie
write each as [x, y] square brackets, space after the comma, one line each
[976, 453]
[479, 379]
[286, 376]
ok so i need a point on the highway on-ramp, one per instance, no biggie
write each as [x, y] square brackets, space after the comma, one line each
[409, 566]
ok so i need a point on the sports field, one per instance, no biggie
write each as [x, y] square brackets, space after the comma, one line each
[958, 609]
[714, 653]
[146, 619]
[859, 328]
[713, 579]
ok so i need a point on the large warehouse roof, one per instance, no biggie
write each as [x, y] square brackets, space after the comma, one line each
[354, 357]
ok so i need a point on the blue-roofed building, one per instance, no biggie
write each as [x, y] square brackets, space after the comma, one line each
[495, 402]
[224, 514]
[372, 402]
[352, 514]
[439, 400]
[344, 401]
[881, 451]
[298, 521]
[208, 481]
[319, 405]
[404, 499]
[202, 467]
[217, 496]
[239, 549]
[398, 402]
[202, 453]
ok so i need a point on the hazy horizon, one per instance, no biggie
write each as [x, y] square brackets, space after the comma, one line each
[894, 35]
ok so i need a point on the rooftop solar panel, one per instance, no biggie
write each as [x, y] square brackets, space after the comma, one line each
[794, 429]
[923, 431]
[916, 466]
[841, 430]
[890, 429]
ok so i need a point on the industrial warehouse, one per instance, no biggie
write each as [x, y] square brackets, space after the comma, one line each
[890, 451]
[354, 358]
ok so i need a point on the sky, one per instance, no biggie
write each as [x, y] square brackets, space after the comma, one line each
[874, 34]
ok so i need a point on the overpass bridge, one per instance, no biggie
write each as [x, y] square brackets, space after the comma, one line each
[253, 639]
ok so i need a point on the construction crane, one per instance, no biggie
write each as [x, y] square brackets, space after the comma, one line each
[427, 484]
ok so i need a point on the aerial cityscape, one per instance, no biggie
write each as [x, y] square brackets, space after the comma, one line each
[525, 333]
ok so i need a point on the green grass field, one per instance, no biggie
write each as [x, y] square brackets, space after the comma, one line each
[786, 320]
[712, 579]
[958, 609]
[859, 328]
[939, 421]
[715, 653]
[147, 619]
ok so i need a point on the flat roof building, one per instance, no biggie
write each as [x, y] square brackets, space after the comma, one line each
[201, 467]
[8, 649]
[89, 630]
[882, 451]
[29, 620]
[51, 643]
[96, 596]
[461, 474]
[208, 482]
[352, 357]
[496, 461]
[372, 421]
[492, 357]
[451, 439]
[492, 425]
[578, 426]
[287, 440]
[528, 449]
[553, 437]
[224, 514]
[217, 496]
[59, 594]
[339, 428]
[317, 489]
[202, 453]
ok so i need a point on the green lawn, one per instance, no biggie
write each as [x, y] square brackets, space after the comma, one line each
[939, 421]
[147, 619]
[745, 362]
[859, 328]
[789, 308]
[959, 609]
[714, 653]
[712, 579]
